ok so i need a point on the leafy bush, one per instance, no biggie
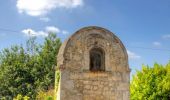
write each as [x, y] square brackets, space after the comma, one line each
[25, 71]
[151, 83]
[20, 97]
[49, 95]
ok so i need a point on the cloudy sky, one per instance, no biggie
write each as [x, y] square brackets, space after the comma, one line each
[142, 25]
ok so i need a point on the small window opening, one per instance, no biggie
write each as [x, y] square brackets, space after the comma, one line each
[97, 60]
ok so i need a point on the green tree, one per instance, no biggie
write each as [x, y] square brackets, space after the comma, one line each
[27, 71]
[151, 83]
[15, 74]
[45, 71]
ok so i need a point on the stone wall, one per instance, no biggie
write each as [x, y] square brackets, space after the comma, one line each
[78, 82]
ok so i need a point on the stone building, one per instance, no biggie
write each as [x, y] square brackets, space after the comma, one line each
[93, 65]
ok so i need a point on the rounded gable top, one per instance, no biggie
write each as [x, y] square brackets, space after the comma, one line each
[85, 32]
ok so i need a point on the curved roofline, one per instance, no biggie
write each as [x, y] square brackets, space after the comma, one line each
[64, 45]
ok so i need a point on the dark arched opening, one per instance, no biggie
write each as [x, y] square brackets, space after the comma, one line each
[97, 59]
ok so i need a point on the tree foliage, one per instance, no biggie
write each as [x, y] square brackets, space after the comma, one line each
[26, 71]
[151, 83]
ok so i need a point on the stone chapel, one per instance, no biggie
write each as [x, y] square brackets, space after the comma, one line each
[93, 65]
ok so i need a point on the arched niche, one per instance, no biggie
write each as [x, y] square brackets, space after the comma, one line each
[97, 59]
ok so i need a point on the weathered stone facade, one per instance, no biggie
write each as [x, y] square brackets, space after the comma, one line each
[78, 81]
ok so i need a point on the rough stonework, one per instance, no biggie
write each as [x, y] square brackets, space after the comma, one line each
[94, 66]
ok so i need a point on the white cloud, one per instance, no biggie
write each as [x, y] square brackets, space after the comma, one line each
[156, 43]
[167, 36]
[47, 30]
[52, 29]
[133, 55]
[31, 32]
[45, 19]
[42, 7]
[65, 32]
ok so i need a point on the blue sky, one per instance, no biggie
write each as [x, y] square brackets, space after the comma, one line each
[142, 25]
